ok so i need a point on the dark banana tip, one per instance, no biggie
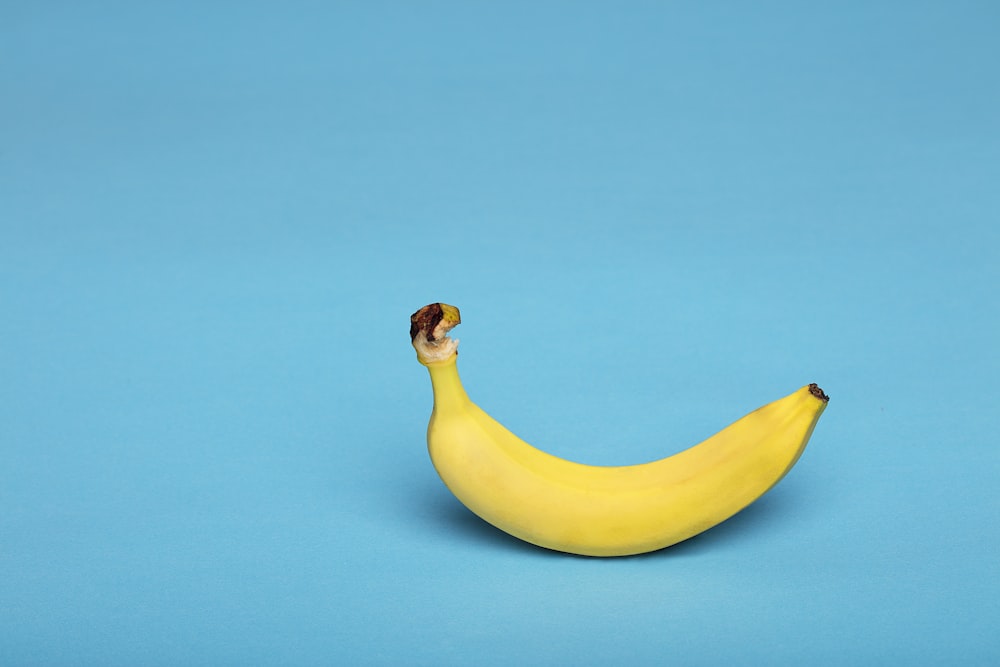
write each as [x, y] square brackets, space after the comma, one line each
[430, 316]
[818, 393]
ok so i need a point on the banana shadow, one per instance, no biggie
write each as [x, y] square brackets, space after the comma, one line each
[458, 520]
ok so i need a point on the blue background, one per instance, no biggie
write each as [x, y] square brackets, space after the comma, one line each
[655, 217]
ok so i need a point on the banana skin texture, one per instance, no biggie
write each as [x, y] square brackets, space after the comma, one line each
[600, 510]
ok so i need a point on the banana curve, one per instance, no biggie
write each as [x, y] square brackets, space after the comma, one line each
[608, 510]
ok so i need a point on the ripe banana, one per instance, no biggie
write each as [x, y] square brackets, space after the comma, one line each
[600, 510]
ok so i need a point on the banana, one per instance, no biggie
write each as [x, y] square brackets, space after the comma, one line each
[600, 510]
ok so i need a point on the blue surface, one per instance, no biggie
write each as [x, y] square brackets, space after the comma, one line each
[216, 220]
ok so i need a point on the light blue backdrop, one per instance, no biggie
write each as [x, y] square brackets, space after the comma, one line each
[217, 217]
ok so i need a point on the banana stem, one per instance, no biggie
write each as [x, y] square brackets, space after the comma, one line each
[429, 329]
[449, 394]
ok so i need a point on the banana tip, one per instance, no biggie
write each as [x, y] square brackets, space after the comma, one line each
[818, 393]
[434, 320]
[429, 329]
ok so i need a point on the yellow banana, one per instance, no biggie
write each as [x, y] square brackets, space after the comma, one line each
[600, 510]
